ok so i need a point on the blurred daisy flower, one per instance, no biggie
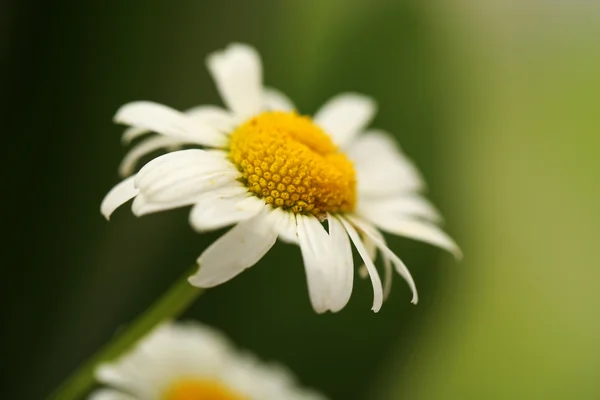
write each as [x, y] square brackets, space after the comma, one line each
[274, 173]
[184, 361]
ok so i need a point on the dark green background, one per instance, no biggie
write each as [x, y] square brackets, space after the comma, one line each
[482, 97]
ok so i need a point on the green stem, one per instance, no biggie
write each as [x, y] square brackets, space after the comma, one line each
[169, 306]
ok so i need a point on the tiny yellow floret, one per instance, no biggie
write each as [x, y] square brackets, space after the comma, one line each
[291, 163]
[197, 389]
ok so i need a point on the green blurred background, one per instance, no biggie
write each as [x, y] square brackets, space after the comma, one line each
[496, 101]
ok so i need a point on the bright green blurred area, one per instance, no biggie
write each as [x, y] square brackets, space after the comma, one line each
[497, 103]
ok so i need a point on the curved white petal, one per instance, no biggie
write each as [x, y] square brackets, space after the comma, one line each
[108, 394]
[277, 101]
[213, 211]
[387, 264]
[375, 280]
[285, 225]
[169, 122]
[381, 167]
[345, 116]
[237, 71]
[342, 277]
[132, 133]
[144, 148]
[314, 242]
[117, 196]
[371, 250]
[213, 116]
[184, 174]
[123, 375]
[142, 206]
[400, 267]
[238, 249]
[414, 229]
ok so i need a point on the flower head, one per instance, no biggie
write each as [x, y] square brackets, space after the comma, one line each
[275, 173]
[185, 361]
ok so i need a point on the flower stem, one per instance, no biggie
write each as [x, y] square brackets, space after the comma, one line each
[175, 301]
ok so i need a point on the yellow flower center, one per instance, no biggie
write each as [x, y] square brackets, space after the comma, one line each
[197, 389]
[291, 163]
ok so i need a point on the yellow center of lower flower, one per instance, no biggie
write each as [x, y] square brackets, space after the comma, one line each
[197, 389]
[291, 163]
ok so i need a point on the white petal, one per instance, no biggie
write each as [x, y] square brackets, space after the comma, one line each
[407, 205]
[213, 211]
[400, 267]
[343, 273]
[142, 206]
[124, 374]
[237, 71]
[184, 174]
[375, 280]
[121, 193]
[314, 241]
[371, 251]
[381, 168]
[169, 122]
[108, 394]
[144, 148]
[238, 249]
[277, 101]
[345, 116]
[387, 265]
[133, 133]
[182, 158]
[213, 116]
[414, 229]
[284, 223]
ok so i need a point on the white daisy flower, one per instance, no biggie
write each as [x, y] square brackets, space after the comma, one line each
[274, 173]
[185, 361]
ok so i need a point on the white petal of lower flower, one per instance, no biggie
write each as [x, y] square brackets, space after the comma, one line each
[415, 229]
[184, 174]
[196, 359]
[118, 195]
[169, 122]
[238, 249]
[144, 148]
[275, 100]
[381, 168]
[314, 246]
[213, 211]
[107, 394]
[398, 263]
[345, 115]
[237, 71]
[343, 273]
[123, 377]
[213, 116]
[375, 279]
